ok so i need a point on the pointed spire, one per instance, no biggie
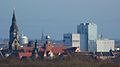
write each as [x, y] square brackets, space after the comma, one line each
[13, 33]
[14, 24]
[14, 18]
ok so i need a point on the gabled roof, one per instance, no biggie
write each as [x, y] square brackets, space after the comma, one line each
[72, 49]
[57, 50]
[49, 47]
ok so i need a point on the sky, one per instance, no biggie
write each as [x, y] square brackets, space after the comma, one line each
[56, 17]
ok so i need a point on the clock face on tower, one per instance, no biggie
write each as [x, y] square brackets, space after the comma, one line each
[14, 33]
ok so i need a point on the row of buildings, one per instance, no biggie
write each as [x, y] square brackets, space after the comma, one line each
[20, 47]
[87, 39]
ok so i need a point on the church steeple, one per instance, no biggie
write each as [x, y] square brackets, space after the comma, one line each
[14, 18]
[14, 25]
[13, 34]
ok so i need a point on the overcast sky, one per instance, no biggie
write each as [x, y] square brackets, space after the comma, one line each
[55, 17]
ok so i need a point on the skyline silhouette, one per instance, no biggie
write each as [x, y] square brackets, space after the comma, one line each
[55, 18]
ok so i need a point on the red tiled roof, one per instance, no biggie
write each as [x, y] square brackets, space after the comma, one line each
[26, 49]
[57, 50]
[116, 52]
[26, 54]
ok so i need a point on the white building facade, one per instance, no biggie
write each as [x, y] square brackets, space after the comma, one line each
[23, 39]
[105, 45]
[71, 39]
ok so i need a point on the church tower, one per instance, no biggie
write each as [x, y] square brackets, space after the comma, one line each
[13, 34]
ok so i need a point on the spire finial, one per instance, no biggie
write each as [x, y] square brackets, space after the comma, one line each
[13, 10]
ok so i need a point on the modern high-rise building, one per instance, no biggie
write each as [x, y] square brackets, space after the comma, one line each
[13, 34]
[82, 30]
[71, 39]
[88, 35]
